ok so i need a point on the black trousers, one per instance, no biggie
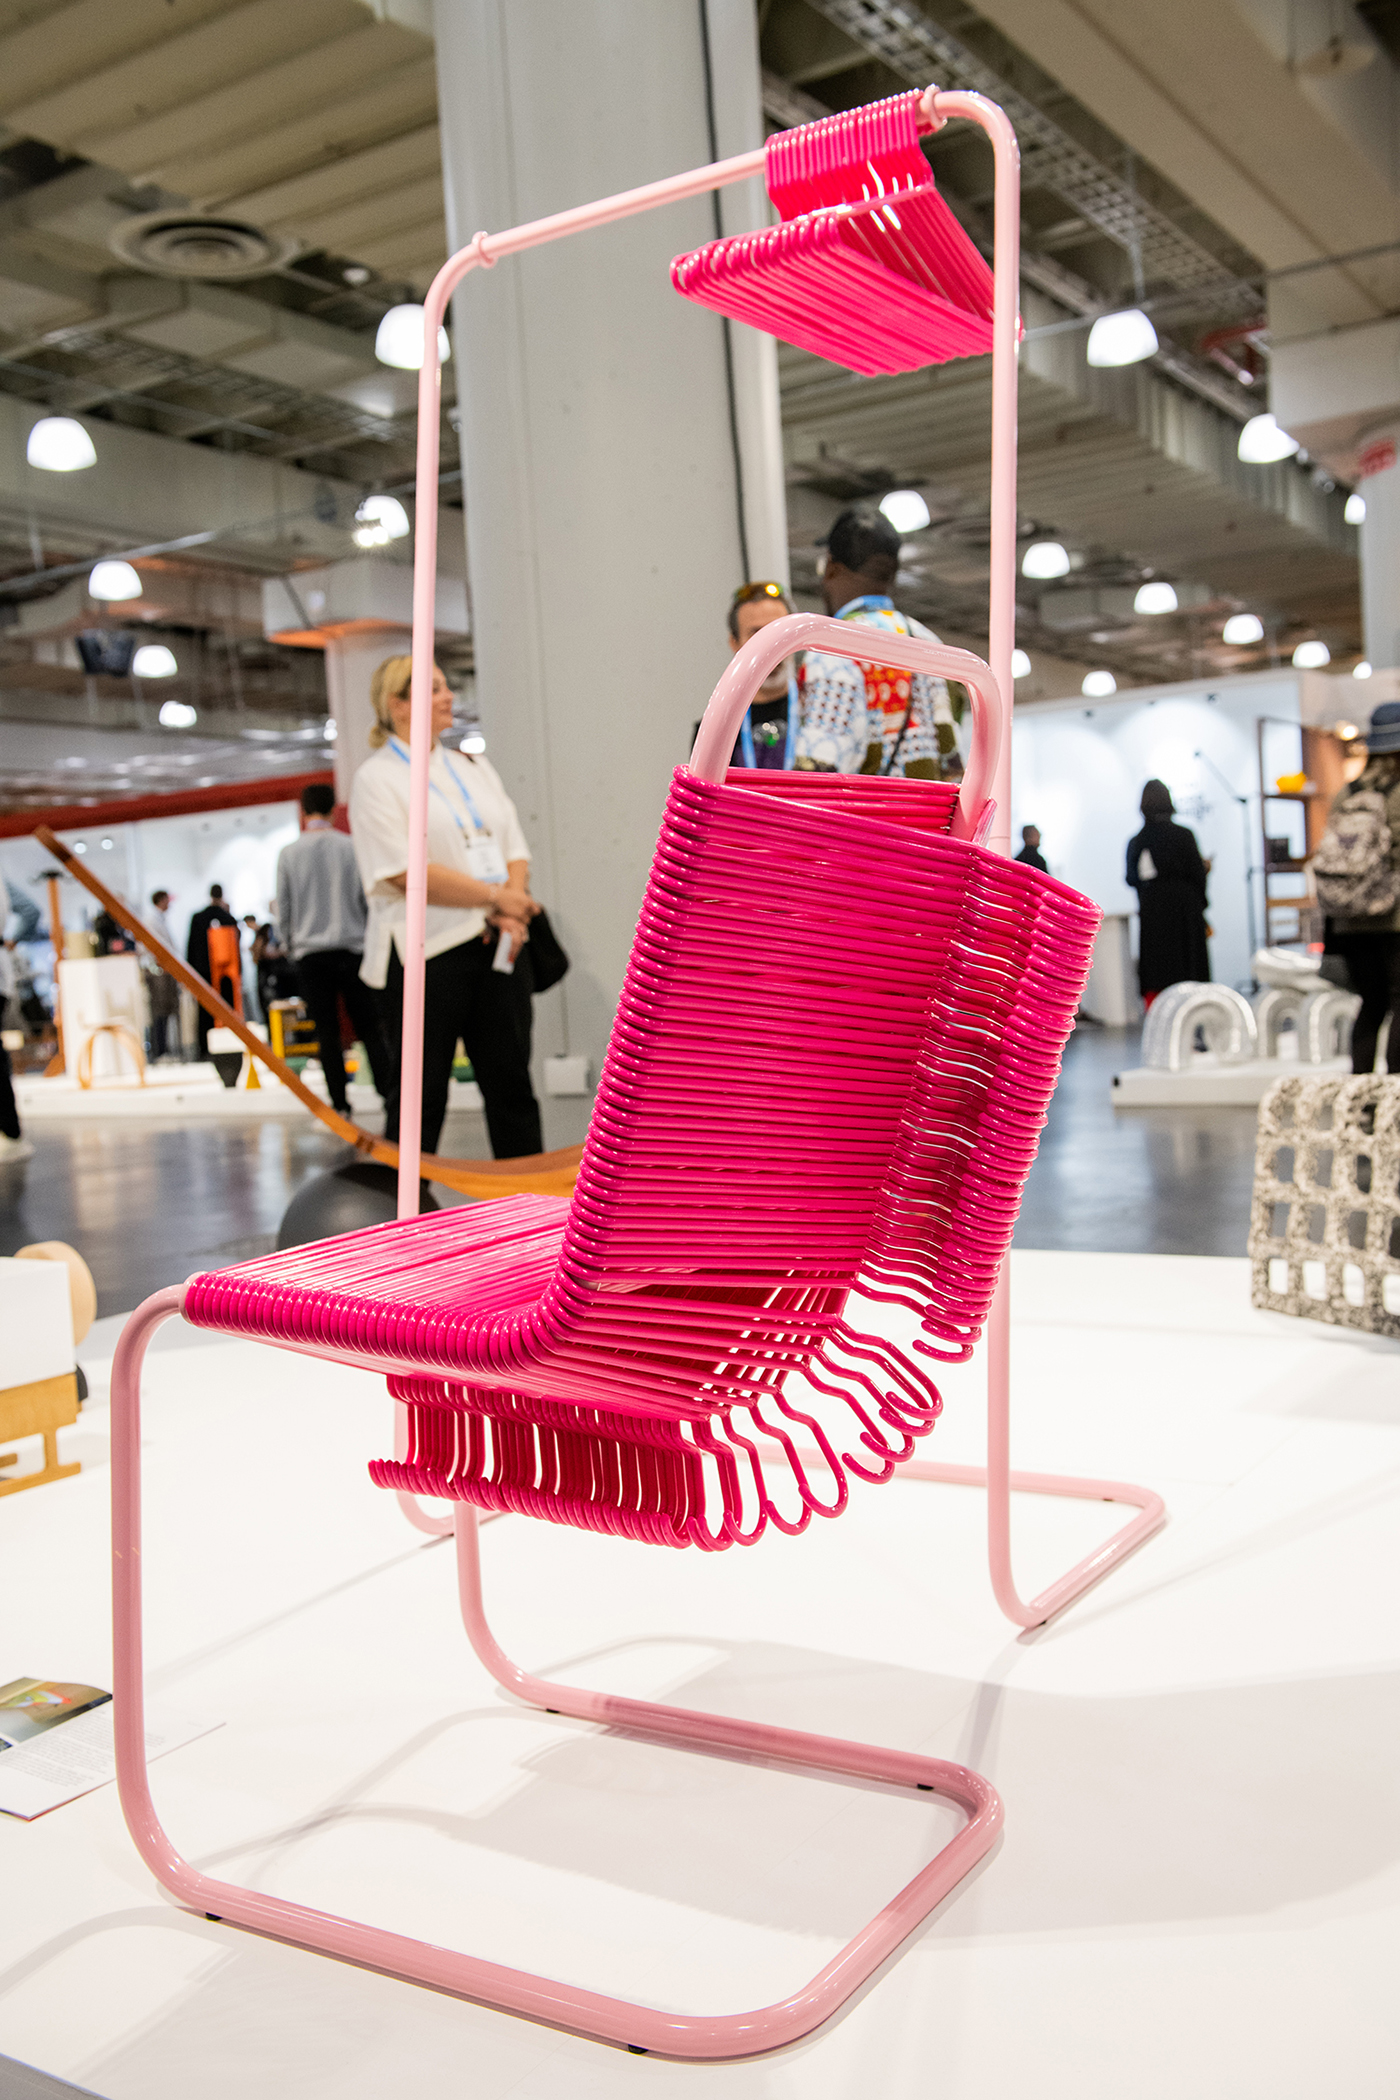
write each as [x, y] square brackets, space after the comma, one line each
[1373, 961]
[9, 1114]
[327, 976]
[491, 1013]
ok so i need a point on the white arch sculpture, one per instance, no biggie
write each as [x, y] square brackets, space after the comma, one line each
[1277, 1007]
[1224, 1016]
[1325, 1025]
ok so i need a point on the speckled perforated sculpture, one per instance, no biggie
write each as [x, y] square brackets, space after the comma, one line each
[1324, 1232]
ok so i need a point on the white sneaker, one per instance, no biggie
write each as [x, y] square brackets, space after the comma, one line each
[14, 1149]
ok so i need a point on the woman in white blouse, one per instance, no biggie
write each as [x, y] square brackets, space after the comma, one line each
[479, 909]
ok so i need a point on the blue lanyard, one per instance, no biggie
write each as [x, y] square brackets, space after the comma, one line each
[472, 811]
[746, 732]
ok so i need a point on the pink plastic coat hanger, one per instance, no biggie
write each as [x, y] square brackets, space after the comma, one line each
[870, 267]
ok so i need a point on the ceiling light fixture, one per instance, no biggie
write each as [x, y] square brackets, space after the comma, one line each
[378, 520]
[1044, 560]
[1020, 664]
[176, 715]
[153, 660]
[1242, 628]
[1121, 339]
[113, 581]
[1361, 670]
[1262, 442]
[905, 509]
[1155, 598]
[399, 341]
[59, 445]
[473, 744]
[1099, 685]
[1311, 656]
[1355, 512]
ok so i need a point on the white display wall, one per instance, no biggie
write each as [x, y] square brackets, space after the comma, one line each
[1078, 768]
[235, 847]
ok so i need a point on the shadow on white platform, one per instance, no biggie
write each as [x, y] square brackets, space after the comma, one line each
[1199, 1887]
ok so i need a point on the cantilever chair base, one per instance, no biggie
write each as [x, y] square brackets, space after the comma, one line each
[1152, 1515]
[640, 2028]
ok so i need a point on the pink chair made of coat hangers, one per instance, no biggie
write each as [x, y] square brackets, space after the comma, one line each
[807, 1110]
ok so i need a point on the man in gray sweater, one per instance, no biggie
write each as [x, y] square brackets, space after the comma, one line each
[321, 917]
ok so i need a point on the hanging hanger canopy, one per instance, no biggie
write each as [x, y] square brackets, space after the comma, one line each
[869, 267]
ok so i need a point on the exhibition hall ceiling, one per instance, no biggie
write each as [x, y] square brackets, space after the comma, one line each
[207, 206]
[1196, 162]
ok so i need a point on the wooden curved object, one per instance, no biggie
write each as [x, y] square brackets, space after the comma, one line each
[536, 1174]
[125, 1038]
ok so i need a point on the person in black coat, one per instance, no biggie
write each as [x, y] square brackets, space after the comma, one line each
[215, 913]
[1166, 870]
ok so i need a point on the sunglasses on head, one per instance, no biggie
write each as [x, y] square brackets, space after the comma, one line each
[747, 592]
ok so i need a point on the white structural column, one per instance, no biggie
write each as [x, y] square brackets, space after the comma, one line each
[618, 464]
[1380, 547]
[351, 662]
[358, 612]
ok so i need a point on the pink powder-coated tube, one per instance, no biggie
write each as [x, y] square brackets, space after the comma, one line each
[637, 2027]
[592, 1361]
[481, 252]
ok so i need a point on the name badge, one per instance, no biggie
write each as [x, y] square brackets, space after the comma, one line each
[486, 862]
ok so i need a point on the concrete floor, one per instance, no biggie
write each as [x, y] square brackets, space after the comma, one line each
[148, 1204]
[1135, 1181]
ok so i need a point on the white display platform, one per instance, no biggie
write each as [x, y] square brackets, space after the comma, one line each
[194, 1090]
[1208, 1083]
[1198, 1891]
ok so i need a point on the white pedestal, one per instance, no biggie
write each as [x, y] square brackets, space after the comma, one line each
[1207, 1083]
[1111, 995]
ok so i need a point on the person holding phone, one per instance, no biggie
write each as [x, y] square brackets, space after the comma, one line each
[478, 977]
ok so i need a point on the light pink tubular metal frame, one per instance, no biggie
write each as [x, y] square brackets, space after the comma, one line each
[935, 109]
[610, 2019]
[637, 2027]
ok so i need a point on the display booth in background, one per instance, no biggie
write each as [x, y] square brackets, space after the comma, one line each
[236, 848]
[1079, 766]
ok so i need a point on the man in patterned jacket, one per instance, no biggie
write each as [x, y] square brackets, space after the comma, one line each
[869, 718]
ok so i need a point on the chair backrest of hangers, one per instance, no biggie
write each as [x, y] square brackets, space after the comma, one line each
[834, 1046]
[772, 1016]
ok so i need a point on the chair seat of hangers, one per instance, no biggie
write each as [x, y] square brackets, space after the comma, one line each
[838, 1033]
[870, 268]
[425, 1293]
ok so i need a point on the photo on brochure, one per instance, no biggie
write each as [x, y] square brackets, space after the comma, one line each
[29, 1705]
